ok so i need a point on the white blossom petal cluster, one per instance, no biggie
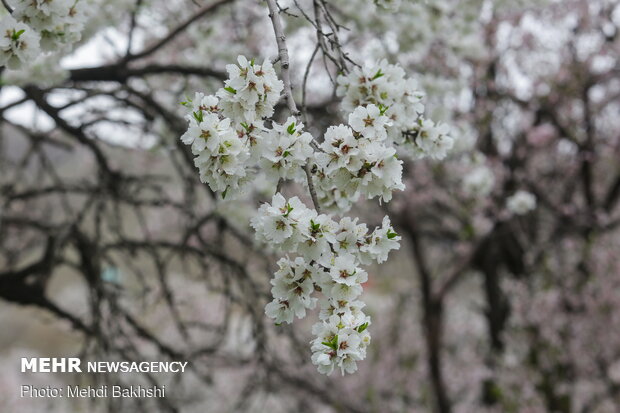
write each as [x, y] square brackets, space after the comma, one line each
[356, 162]
[521, 202]
[385, 86]
[19, 43]
[59, 22]
[342, 338]
[370, 122]
[220, 154]
[399, 100]
[293, 285]
[479, 181]
[285, 149]
[427, 139]
[47, 32]
[227, 136]
[330, 258]
[251, 92]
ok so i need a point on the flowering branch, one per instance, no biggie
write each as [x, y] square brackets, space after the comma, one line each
[283, 54]
[323, 256]
[288, 91]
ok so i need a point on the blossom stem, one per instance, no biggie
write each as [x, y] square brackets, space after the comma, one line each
[283, 55]
[274, 15]
[311, 188]
[7, 7]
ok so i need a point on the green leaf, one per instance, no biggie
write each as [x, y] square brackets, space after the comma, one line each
[252, 62]
[230, 90]
[378, 75]
[15, 35]
[333, 343]
[224, 193]
[289, 209]
[291, 128]
[391, 234]
[383, 109]
[187, 102]
[363, 327]
[198, 116]
[314, 226]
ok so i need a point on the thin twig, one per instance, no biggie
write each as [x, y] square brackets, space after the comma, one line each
[7, 7]
[283, 54]
[179, 29]
[132, 26]
[311, 189]
[305, 81]
[288, 91]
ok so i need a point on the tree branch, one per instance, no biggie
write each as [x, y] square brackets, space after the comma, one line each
[120, 73]
[283, 54]
[177, 30]
[288, 91]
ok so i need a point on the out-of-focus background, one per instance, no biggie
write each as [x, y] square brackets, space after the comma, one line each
[112, 249]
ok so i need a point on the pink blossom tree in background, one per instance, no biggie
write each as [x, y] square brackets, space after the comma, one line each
[260, 187]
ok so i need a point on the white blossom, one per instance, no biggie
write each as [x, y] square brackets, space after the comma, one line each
[345, 270]
[59, 22]
[340, 343]
[285, 150]
[292, 289]
[385, 86]
[382, 240]
[350, 166]
[251, 92]
[521, 202]
[224, 168]
[19, 44]
[321, 233]
[427, 139]
[283, 223]
[369, 121]
[479, 181]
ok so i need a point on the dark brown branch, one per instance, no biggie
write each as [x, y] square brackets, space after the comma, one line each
[209, 8]
[120, 73]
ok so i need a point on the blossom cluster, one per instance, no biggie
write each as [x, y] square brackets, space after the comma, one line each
[233, 141]
[400, 100]
[356, 161]
[59, 22]
[227, 136]
[251, 92]
[37, 25]
[521, 202]
[19, 43]
[220, 154]
[285, 150]
[330, 256]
